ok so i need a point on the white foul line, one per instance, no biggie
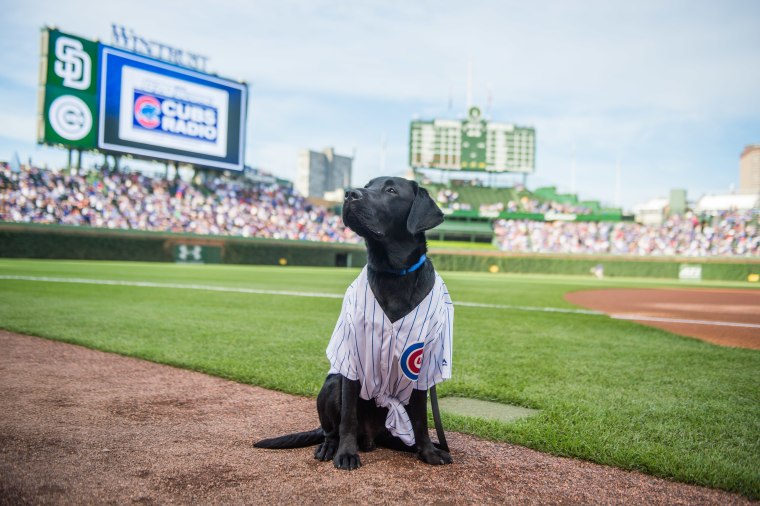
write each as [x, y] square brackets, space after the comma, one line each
[530, 308]
[645, 318]
[149, 284]
[256, 291]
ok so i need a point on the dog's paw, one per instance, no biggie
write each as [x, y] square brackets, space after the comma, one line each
[325, 451]
[366, 444]
[434, 456]
[347, 461]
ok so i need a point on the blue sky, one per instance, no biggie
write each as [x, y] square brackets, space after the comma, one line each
[670, 88]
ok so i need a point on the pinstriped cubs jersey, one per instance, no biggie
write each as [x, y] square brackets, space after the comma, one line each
[392, 359]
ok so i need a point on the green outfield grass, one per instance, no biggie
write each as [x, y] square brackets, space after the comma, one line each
[609, 391]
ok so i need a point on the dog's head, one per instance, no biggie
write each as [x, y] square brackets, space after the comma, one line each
[390, 208]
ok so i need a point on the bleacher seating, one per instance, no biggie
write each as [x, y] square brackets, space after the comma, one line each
[475, 196]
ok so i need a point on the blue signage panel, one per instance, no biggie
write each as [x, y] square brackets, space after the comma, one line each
[154, 109]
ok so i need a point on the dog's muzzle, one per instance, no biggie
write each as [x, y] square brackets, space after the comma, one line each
[352, 195]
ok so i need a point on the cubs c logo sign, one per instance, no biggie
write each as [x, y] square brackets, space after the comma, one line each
[70, 117]
[411, 361]
[147, 111]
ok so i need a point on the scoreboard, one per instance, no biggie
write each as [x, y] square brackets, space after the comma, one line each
[473, 144]
[158, 110]
[98, 97]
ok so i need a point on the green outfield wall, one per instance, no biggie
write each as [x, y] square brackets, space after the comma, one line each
[723, 269]
[86, 243]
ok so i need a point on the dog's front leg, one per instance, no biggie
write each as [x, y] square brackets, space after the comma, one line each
[347, 456]
[417, 411]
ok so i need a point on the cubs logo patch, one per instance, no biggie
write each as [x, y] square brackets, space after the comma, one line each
[411, 361]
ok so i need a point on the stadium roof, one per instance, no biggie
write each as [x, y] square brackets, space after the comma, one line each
[738, 201]
[652, 205]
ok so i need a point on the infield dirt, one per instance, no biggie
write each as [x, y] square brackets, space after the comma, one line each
[82, 426]
[719, 306]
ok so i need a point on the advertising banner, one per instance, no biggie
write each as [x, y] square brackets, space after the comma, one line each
[158, 110]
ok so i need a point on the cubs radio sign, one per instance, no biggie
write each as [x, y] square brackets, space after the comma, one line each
[157, 110]
[101, 97]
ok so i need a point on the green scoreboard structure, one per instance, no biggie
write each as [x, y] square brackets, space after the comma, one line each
[473, 144]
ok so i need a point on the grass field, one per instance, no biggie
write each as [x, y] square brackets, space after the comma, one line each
[609, 391]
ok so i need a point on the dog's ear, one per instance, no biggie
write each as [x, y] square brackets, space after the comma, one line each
[424, 213]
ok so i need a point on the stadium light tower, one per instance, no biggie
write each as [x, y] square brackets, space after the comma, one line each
[469, 82]
[383, 149]
[618, 183]
[572, 170]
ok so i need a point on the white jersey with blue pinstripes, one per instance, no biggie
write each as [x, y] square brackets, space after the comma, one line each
[392, 359]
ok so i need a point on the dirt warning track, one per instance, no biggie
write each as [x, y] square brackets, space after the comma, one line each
[82, 426]
[720, 316]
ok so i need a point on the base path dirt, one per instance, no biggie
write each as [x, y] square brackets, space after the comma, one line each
[80, 427]
[720, 316]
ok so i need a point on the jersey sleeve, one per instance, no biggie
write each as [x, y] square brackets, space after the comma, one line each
[437, 353]
[340, 355]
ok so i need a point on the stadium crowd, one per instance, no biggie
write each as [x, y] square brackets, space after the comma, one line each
[449, 199]
[134, 201]
[267, 210]
[529, 205]
[543, 207]
[728, 234]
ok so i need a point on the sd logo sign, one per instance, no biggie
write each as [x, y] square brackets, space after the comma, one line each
[72, 64]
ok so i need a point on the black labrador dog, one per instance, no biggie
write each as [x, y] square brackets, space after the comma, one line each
[392, 215]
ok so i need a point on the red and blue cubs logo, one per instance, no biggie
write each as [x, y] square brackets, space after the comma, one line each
[411, 361]
[148, 111]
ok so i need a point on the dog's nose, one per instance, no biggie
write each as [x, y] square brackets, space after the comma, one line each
[353, 195]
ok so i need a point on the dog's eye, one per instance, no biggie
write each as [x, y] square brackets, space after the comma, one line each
[391, 190]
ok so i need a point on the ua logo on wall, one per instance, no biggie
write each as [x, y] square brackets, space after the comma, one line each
[189, 253]
[73, 64]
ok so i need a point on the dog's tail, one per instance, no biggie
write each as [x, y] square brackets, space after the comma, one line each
[297, 440]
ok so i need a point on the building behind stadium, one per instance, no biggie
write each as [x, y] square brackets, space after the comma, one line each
[749, 170]
[323, 175]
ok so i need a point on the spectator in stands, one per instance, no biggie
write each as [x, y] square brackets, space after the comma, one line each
[491, 208]
[446, 197]
[542, 207]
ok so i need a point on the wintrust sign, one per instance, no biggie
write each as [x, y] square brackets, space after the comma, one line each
[126, 38]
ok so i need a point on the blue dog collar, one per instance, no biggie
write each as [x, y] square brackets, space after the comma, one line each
[413, 268]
